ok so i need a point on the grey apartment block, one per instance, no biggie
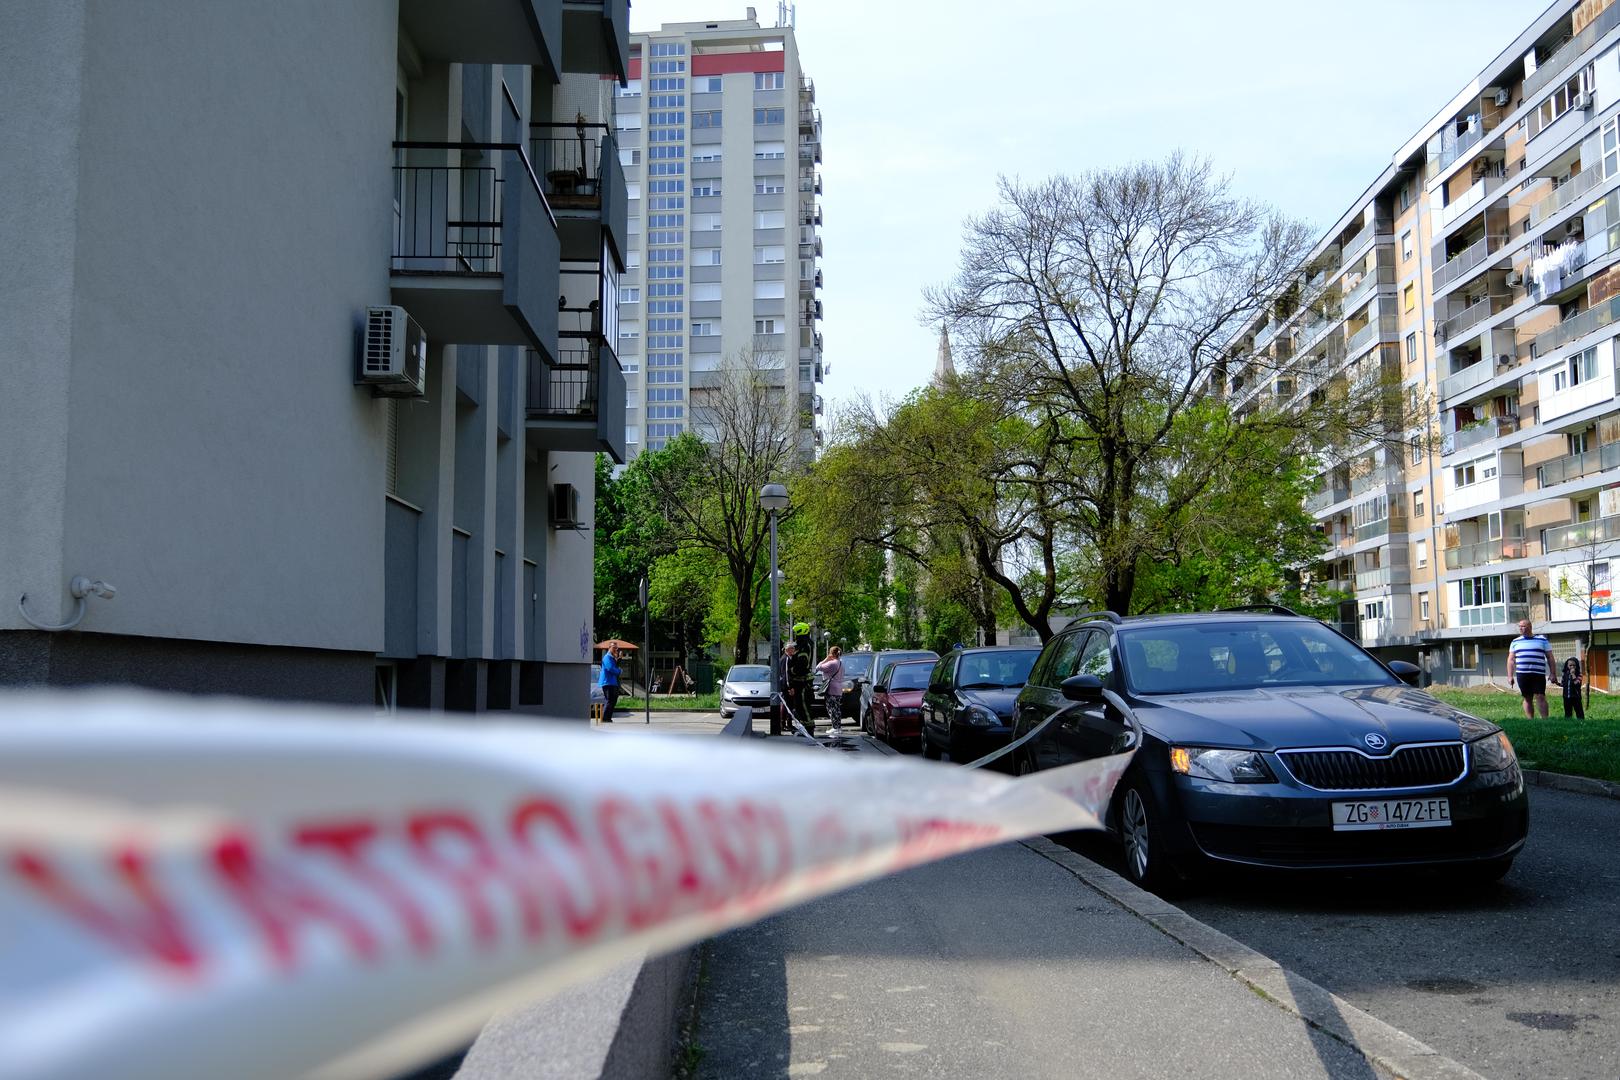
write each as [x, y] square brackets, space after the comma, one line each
[720, 139]
[206, 200]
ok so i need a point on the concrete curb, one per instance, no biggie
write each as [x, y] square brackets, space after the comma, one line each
[1583, 785]
[1385, 1046]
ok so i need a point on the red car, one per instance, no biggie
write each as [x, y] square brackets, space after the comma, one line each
[897, 702]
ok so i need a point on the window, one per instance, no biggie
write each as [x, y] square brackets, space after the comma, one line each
[709, 84]
[627, 122]
[632, 434]
[1423, 606]
[1096, 658]
[1411, 348]
[769, 255]
[705, 329]
[770, 151]
[632, 259]
[705, 189]
[768, 116]
[1611, 147]
[1417, 450]
[666, 48]
[707, 119]
[705, 222]
[706, 257]
[770, 290]
[1374, 610]
[768, 185]
[1419, 508]
[769, 219]
[628, 156]
[630, 294]
[632, 399]
[1060, 658]
[629, 331]
[706, 290]
[1421, 555]
[767, 80]
[710, 152]
[665, 67]
[1464, 475]
[631, 89]
[1464, 655]
[1409, 298]
[1406, 245]
[632, 191]
[767, 326]
[1561, 100]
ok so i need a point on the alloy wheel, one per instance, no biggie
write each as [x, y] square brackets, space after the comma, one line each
[1133, 822]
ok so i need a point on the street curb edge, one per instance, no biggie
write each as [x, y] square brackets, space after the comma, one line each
[1583, 785]
[1384, 1045]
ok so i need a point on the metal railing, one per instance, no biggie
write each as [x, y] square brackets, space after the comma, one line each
[1575, 466]
[1472, 315]
[1372, 279]
[1460, 382]
[1365, 237]
[1373, 529]
[1484, 552]
[1381, 577]
[565, 387]
[1450, 152]
[570, 165]
[1375, 330]
[1478, 193]
[448, 217]
[1493, 427]
[1465, 260]
[1564, 194]
[1326, 497]
[1570, 51]
[1381, 477]
[1583, 533]
[1578, 326]
[1492, 614]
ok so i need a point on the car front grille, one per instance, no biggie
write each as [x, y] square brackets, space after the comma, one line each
[1430, 765]
[1321, 846]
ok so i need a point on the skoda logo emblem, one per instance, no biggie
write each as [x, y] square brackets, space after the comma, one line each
[1374, 740]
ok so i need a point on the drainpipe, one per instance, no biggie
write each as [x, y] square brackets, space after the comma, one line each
[1431, 377]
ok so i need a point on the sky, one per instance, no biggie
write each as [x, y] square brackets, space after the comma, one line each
[925, 103]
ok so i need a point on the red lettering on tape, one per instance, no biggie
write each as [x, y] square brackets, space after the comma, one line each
[641, 872]
[348, 842]
[472, 871]
[582, 919]
[281, 905]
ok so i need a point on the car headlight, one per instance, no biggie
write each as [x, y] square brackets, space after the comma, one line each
[1493, 753]
[1231, 766]
[979, 716]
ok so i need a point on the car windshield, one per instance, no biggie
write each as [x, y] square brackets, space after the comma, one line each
[1189, 657]
[909, 676]
[995, 670]
[749, 673]
[886, 664]
[857, 665]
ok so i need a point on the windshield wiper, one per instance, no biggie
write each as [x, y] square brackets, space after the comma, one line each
[983, 686]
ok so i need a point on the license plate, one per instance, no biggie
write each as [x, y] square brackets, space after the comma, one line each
[1391, 814]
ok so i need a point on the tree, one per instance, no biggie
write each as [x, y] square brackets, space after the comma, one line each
[705, 483]
[1586, 585]
[1105, 311]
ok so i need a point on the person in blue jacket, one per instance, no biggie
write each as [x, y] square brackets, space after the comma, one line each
[608, 680]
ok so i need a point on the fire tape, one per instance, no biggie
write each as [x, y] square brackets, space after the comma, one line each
[218, 888]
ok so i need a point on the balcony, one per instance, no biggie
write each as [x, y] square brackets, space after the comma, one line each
[576, 402]
[1460, 382]
[1574, 466]
[809, 153]
[1472, 315]
[579, 170]
[1492, 615]
[486, 31]
[1383, 328]
[1375, 279]
[1564, 194]
[596, 37]
[812, 248]
[1484, 553]
[475, 249]
[1578, 326]
[1583, 533]
[1382, 577]
[1373, 529]
[1375, 480]
[1457, 267]
[1482, 191]
[1549, 70]
[1359, 243]
[1322, 499]
[809, 118]
[1482, 431]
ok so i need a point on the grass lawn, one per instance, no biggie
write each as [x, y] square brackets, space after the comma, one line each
[1589, 747]
[673, 703]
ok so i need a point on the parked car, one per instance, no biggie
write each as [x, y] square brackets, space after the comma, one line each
[897, 701]
[1269, 739]
[968, 709]
[857, 666]
[597, 697]
[881, 663]
[746, 685]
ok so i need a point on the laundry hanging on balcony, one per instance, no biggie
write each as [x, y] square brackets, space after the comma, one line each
[1549, 270]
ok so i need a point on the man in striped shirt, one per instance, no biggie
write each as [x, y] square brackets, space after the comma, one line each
[1530, 664]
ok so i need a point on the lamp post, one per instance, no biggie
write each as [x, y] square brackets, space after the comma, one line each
[774, 498]
[646, 652]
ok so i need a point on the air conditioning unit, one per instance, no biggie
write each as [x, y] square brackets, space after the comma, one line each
[564, 506]
[1583, 100]
[1504, 361]
[1514, 279]
[393, 357]
[1503, 96]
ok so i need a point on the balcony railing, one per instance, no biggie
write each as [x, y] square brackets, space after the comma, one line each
[1481, 191]
[1471, 316]
[1382, 577]
[1492, 614]
[1460, 382]
[1583, 533]
[1493, 427]
[565, 388]
[449, 217]
[1578, 326]
[1375, 330]
[1575, 466]
[1463, 143]
[1372, 279]
[1326, 497]
[1564, 194]
[1373, 529]
[1380, 477]
[1483, 553]
[1365, 237]
[569, 161]
[1465, 260]
[1551, 68]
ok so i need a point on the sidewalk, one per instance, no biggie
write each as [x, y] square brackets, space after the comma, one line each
[665, 723]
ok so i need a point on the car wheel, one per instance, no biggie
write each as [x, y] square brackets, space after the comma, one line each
[1141, 834]
[929, 750]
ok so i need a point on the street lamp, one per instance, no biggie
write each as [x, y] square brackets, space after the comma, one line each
[774, 498]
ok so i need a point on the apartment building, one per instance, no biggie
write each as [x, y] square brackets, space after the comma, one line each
[1482, 268]
[720, 140]
[310, 346]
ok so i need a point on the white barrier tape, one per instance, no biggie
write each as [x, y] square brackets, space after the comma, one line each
[979, 763]
[210, 889]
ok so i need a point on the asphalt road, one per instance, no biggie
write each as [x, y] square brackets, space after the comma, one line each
[1520, 979]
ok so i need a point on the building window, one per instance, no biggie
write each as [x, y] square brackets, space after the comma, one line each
[769, 219]
[709, 84]
[628, 156]
[770, 290]
[766, 256]
[1418, 506]
[632, 434]
[767, 326]
[770, 151]
[1421, 555]
[705, 290]
[1464, 655]
[630, 294]
[705, 256]
[711, 152]
[705, 222]
[632, 88]
[707, 119]
[1423, 606]
[627, 122]
[1406, 245]
[769, 116]
[768, 185]
[705, 189]
[767, 80]
[1417, 449]
[1409, 298]
[1561, 100]
[1411, 348]
[704, 329]
[1611, 147]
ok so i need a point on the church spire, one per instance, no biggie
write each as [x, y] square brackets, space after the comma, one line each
[944, 366]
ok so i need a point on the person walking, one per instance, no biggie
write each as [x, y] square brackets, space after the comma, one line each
[608, 680]
[799, 669]
[784, 680]
[832, 669]
[1571, 682]
[1530, 665]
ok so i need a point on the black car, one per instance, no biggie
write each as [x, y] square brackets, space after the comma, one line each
[967, 710]
[1269, 739]
[857, 666]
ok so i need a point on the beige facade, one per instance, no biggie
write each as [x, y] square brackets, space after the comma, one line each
[1481, 268]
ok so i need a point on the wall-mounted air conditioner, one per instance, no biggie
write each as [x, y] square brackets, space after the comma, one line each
[564, 506]
[1583, 100]
[1503, 97]
[393, 356]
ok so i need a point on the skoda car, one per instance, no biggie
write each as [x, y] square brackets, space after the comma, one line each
[1265, 738]
[968, 710]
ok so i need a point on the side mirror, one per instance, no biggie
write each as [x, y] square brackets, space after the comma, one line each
[1082, 688]
[880, 689]
[1410, 674]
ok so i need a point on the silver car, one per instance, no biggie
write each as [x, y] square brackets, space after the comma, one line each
[746, 685]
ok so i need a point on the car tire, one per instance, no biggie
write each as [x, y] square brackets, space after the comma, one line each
[1141, 835]
[929, 750]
